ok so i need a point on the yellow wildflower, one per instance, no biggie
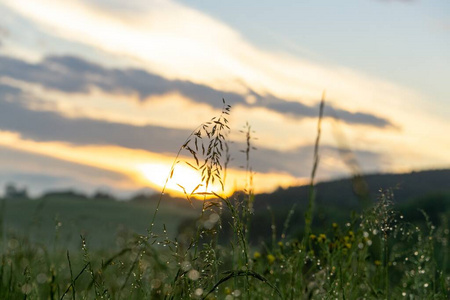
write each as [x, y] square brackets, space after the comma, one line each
[322, 237]
[270, 258]
[351, 234]
[256, 255]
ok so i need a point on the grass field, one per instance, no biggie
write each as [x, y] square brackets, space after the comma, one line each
[76, 248]
[60, 220]
[43, 256]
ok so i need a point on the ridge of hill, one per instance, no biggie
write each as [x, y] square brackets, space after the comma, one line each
[335, 200]
[347, 193]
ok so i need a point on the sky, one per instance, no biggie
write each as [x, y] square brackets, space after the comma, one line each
[100, 95]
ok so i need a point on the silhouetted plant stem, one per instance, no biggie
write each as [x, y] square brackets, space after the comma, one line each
[311, 194]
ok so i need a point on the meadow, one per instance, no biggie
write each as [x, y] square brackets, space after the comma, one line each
[62, 247]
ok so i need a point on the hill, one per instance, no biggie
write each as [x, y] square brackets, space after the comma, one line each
[428, 190]
[347, 193]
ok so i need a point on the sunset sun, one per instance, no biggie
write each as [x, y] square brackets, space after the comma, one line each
[184, 179]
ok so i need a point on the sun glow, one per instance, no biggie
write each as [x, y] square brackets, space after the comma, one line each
[144, 168]
[183, 179]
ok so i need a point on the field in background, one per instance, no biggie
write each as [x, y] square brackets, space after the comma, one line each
[60, 218]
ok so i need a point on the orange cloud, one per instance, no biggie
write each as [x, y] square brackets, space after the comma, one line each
[142, 167]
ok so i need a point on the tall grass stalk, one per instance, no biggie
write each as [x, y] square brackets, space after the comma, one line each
[2, 223]
[312, 195]
[295, 278]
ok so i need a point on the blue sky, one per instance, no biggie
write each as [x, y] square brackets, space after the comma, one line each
[100, 94]
[402, 41]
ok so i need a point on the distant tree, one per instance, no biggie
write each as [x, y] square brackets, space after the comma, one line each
[103, 196]
[64, 194]
[13, 192]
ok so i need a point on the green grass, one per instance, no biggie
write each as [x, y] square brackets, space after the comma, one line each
[374, 254]
[103, 222]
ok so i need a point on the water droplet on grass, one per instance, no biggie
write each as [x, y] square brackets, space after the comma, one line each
[193, 275]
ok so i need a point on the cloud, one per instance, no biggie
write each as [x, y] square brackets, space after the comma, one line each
[50, 126]
[299, 110]
[7, 91]
[4, 33]
[75, 75]
[46, 126]
[298, 162]
[58, 174]
[180, 43]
